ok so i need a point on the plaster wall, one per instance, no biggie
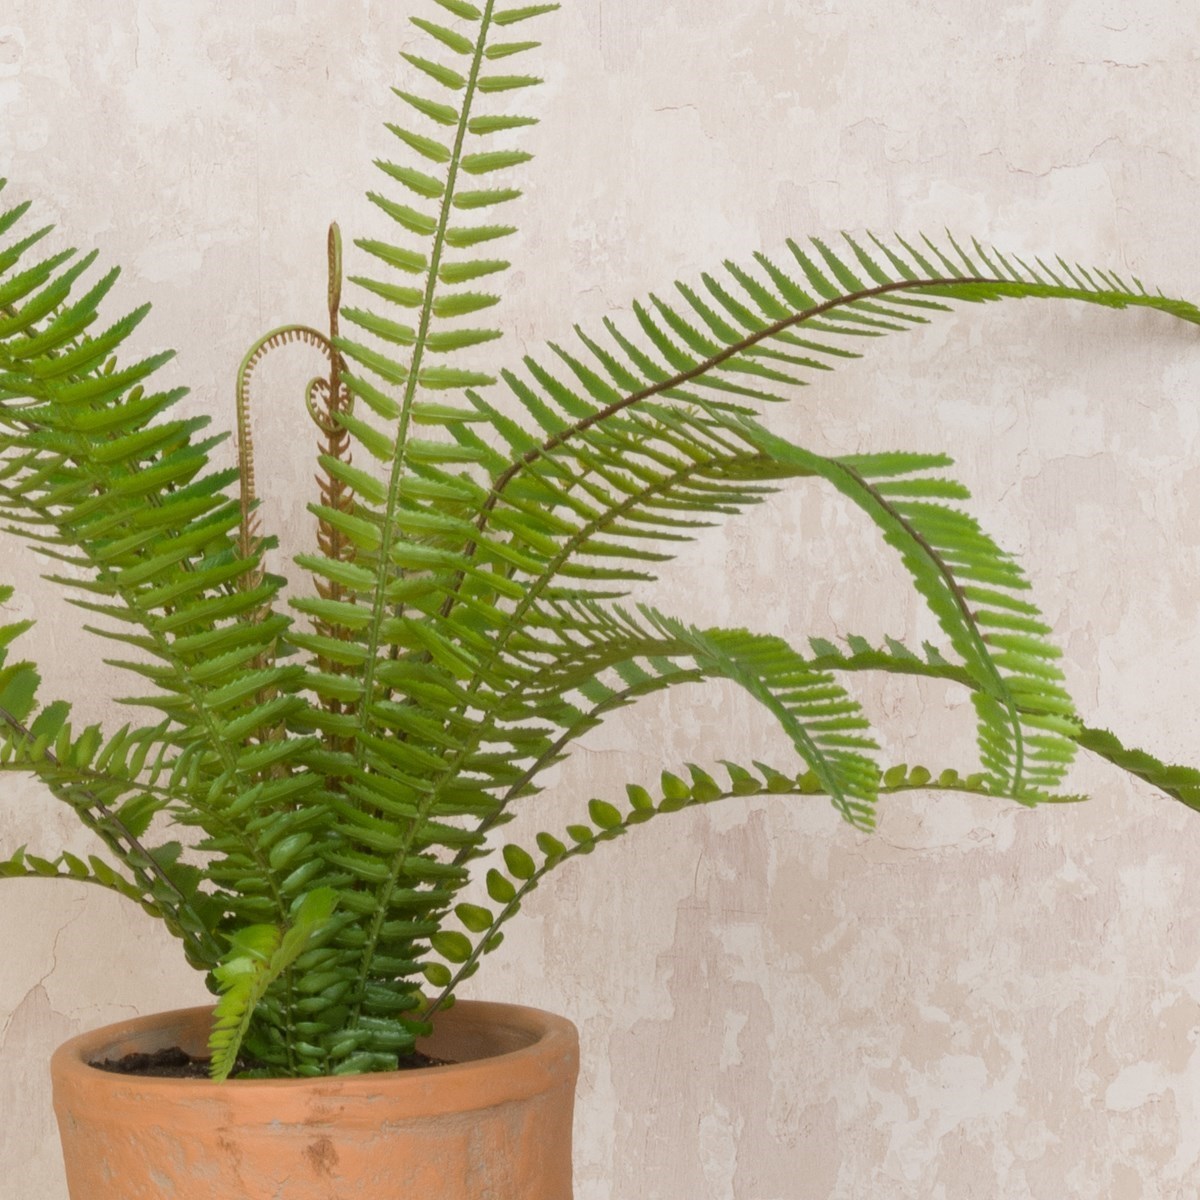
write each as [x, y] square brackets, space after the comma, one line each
[977, 1000]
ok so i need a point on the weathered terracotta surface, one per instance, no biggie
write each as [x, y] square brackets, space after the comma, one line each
[495, 1126]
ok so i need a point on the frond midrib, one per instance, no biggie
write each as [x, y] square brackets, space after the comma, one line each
[373, 639]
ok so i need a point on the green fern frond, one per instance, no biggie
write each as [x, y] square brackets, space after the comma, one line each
[441, 265]
[826, 726]
[563, 484]
[391, 758]
[23, 865]
[894, 657]
[968, 582]
[972, 588]
[524, 869]
[258, 956]
[114, 788]
[1181, 783]
[757, 324]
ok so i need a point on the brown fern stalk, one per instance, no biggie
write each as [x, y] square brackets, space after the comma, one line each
[325, 399]
[334, 399]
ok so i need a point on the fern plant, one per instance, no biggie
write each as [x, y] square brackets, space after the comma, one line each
[344, 759]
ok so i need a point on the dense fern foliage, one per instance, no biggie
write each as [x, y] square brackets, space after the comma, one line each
[343, 757]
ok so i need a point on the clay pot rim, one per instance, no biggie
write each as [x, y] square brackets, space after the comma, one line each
[555, 1037]
[494, 1126]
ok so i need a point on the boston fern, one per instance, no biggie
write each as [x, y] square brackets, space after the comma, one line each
[343, 758]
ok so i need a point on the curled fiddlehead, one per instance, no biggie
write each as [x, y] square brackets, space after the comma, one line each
[325, 398]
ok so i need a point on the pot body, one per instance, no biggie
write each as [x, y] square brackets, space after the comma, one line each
[494, 1126]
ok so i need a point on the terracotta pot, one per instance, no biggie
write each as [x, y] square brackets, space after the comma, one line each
[495, 1126]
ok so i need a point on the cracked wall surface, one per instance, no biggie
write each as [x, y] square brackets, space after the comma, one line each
[977, 1001]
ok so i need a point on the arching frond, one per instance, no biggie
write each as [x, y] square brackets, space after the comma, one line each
[524, 868]
[975, 592]
[775, 325]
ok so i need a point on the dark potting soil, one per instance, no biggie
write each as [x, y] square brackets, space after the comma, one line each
[175, 1063]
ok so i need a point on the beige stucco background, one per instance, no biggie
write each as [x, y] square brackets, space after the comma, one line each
[978, 1000]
